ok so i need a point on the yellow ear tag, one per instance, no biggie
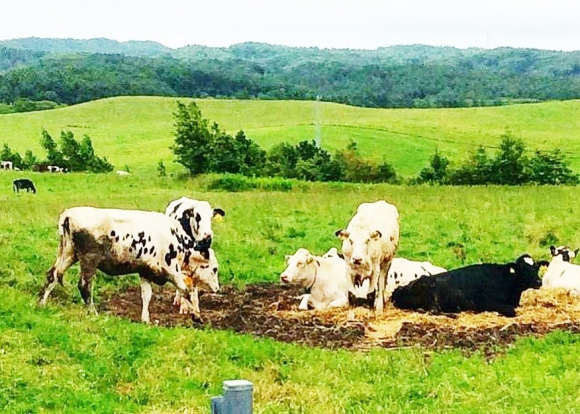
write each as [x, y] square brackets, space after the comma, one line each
[218, 217]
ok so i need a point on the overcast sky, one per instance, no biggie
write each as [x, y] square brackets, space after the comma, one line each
[356, 24]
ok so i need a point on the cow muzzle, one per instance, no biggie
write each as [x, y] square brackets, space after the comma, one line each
[356, 261]
[203, 244]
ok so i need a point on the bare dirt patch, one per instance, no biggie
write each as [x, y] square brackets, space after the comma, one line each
[271, 310]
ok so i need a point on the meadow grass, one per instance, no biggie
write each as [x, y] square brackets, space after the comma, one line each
[138, 131]
[61, 360]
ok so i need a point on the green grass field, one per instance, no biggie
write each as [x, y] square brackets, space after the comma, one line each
[62, 360]
[138, 131]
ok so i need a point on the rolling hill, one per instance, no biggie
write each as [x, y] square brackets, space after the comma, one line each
[138, 131]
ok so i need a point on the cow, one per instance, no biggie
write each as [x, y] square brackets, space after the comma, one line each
[56, 169]
[23, 184]
[561, 273]
[122, 173]
[205, 273]
[6, 165]
[195, 216]
[119, 242]
[324, 278]
[404, 271]
[369, 244]
[486, 287]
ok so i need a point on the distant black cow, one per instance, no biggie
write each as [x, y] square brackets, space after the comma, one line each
[479, 288]
[23, 184]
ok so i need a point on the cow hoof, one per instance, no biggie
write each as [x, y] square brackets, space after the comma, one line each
[197, 320]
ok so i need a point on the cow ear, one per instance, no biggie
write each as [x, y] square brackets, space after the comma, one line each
[341, 234]
[219, 212]
[576, 252]
[553, 251]
[375, 235]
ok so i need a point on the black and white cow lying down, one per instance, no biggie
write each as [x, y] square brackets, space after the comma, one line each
[479, 288]
[118, 242]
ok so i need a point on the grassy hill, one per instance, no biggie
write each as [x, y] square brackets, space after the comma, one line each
[138, 131]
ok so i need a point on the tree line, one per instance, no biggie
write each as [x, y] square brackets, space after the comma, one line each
[413, 77]
[202, 147]
[71, 154]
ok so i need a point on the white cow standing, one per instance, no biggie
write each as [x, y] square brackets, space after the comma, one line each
[6, 165]
[561, 273]
[324, 278]
[369, 244]
[119, 242]
[404, 271]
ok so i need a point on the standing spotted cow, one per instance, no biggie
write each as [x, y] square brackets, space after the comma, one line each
[118, 242]
[369, 244]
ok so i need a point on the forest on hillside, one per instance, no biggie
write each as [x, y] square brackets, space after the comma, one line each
[68, 71]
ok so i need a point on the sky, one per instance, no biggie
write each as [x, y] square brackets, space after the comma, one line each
[354, 24]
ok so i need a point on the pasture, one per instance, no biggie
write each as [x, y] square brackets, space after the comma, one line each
[62, 360]
[138, 131]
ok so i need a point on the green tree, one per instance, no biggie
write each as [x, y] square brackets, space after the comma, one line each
[193, 138]
[436, 172]
[53, 155]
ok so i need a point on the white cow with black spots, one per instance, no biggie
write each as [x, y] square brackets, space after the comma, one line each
[404, 271]
[196, 216]
[561, 273]
[118, 242]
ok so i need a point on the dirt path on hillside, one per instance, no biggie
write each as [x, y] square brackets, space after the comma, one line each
[271, 310]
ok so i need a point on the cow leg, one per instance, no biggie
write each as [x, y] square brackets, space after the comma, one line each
[488, 305]
[88, 270]
[191, 306]
[304, 302]
[66, 258]
[146, 293]
[189, 302]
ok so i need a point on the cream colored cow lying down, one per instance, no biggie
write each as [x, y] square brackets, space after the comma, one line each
[325, 278]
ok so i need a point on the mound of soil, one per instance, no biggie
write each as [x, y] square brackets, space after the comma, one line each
[271, 310]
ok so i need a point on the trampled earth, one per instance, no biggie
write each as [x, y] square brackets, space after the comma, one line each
[271, 310]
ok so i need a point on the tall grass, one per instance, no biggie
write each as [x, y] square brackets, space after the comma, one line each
[61, 360]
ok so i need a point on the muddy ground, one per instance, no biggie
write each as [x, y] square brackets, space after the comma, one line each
[271, 310]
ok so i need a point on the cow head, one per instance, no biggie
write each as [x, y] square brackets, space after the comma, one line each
[205, 270]
[525, 270]
[563, 252]
[355, 246]
[195, 217]
[299, 269]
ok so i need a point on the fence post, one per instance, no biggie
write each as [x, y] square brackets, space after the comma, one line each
[237, 398]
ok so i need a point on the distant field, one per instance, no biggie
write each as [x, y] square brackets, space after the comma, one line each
[138, 131]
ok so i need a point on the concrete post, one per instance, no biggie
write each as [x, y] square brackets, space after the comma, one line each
[237, 398]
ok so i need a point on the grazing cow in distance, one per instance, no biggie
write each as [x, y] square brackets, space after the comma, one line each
[23, 184]
[6, 165]
[369, 244]
[119, 242]
[561, 273]
[196, 217]
[56, 169]
[404, 271]
[480, 288]
[324, 278]
[122, 173]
